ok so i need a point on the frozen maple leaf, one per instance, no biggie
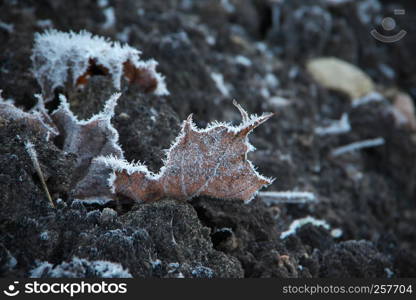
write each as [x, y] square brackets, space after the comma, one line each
[211, 162]
[89, 139]
[37, 118]
[62, 59]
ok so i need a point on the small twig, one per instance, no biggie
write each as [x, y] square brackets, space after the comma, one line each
[337, 127]
[30, 148]
[357, 146]
[292, 197]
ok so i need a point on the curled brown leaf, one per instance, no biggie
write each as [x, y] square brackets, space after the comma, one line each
[210, 162]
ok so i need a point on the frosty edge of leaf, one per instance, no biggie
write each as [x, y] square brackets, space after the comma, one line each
[89, 139]
[210, 162]
[69, 59]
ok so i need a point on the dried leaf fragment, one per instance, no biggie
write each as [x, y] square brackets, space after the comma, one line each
[210, 162]
[37, 118]
[89, 139]
[69, 59]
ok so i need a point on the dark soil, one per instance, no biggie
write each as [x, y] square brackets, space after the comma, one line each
[369, 195]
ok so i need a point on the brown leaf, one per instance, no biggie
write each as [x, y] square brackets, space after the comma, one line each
[89, 139]
[144, 77]
[69, 60]
[211, 162]
[36, 119]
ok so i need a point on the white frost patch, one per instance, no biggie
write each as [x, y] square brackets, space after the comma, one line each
[110, 18]
[108, 215]
[46, 23]
[8, 101]
[336, 233]
[210, 39]
[202, 272]
[58, 55]
[9, 261]
[337, 127]
[371, 97]
[105, 115]
[44, 236]
[337, 2]
[262, 47]
[265, 92]
[229, 7]
[155, 263]
[271, 80]
[358, 146]
[367, 9]
[243, 60]
[108, 269]
[110, 181]
[174, 266]
[225, 229]
[287, 197]
[12, 262]
[41, 268]
[7, 27]
[219, 81]
[296, 224]
[293, 72]
[102, 3]
[124, 35]
[279, 102]
[95, 200]
[79, 268]
[154, 114]
[30, 149]
[120, 165]
[387, 71]
[389, 272]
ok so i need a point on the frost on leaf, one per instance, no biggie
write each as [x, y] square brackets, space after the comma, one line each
[211, 162]
[88, 139]
[37, 118]
[63, 59]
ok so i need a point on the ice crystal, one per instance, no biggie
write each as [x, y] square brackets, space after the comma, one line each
[62, 59]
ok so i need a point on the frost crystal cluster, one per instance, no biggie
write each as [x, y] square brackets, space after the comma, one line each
[37, 118]
[63, 59]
